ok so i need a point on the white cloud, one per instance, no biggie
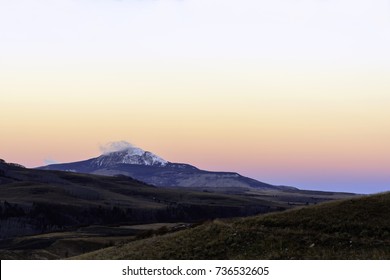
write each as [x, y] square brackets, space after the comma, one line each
[116, 146]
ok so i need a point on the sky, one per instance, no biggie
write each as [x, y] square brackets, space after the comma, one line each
[287, 92]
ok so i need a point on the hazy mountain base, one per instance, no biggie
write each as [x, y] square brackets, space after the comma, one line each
[349, 229]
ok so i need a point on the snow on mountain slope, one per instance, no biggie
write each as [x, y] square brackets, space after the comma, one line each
[130, 155]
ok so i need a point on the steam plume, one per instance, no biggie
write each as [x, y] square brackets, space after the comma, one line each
[116, 146]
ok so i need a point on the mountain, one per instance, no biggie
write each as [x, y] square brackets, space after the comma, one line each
[152, 169]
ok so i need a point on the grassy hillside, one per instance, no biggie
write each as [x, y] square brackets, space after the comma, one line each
[356, 228]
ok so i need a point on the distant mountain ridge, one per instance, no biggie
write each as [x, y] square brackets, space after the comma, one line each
[152, 169]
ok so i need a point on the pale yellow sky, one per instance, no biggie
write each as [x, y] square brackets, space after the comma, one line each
[286, 94]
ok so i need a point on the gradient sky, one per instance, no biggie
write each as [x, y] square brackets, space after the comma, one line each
[287, 92]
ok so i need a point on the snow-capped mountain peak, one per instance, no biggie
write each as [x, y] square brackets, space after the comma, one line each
[130, 155]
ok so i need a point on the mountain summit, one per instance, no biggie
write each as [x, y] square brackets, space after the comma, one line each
[130, 155]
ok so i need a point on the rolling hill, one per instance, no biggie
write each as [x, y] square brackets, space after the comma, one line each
[357, 228]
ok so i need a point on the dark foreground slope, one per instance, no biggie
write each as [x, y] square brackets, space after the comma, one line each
[350, 229]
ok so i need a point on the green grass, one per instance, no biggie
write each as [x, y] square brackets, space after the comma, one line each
[349, 229]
